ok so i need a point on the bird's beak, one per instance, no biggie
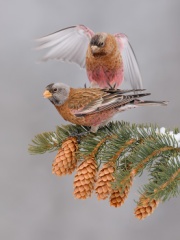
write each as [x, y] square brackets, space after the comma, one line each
[94, 49]
[47, 94]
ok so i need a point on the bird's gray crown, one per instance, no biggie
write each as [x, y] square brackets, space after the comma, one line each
[59, 91]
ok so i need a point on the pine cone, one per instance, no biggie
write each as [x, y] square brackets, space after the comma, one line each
[85, 178]
[145, 207]
[103, 184]
[65, 161]
[118, 196]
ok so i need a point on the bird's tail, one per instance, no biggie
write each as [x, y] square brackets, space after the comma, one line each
[138, 103]
[150, 103]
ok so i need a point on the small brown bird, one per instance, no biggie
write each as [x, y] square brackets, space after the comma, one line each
[108, 59]
[93, 107]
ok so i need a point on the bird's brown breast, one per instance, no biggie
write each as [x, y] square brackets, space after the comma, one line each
[68, 116]
[109, 57]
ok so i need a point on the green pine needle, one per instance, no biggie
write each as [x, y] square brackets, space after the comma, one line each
[132, 148]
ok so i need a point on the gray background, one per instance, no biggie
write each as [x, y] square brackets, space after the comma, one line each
[34, 203]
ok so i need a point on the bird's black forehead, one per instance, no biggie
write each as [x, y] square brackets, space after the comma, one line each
[49, 86]
[95, 40]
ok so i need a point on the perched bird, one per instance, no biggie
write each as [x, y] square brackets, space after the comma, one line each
[108, 59]
[93, 107]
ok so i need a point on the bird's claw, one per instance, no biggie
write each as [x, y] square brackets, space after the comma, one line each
[112, 87]
[78, 136]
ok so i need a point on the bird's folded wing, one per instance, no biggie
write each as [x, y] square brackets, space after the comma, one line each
[69, 44]
[82, 98]
[91, 102]
[131, 68]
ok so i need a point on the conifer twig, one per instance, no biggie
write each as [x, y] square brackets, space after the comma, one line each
[131, 149]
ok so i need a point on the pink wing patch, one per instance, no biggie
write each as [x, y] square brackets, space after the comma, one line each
[86, 30]
[121, 39]
[131, 68]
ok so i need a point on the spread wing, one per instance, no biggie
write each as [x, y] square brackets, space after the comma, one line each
[89, 102]
[69, 44]
[131, 68]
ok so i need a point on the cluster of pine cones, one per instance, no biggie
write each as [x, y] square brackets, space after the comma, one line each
[88, 178]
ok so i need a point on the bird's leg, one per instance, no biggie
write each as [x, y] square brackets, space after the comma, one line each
[85, 86]
[94, 129]
[112, 87]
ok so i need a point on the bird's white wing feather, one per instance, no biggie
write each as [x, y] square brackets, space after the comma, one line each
[131, 68]
[69, 44]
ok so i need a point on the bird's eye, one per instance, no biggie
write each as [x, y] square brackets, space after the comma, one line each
[55, 89]
[101, 44]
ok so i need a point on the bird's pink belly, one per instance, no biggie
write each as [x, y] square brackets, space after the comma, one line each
[99, 118]
[104, 77]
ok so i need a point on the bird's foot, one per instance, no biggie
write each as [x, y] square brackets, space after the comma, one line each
[79, 136]
[112, 87]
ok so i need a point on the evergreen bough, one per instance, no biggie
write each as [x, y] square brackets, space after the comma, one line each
[131, 148]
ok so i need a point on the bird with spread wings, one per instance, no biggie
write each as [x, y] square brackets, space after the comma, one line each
[108, 59]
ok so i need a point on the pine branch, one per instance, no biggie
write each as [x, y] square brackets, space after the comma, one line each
[44, 142]
[165, 179]
[51, 141]
[125, 148]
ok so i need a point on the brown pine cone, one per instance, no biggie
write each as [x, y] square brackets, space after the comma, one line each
[145, 207]
[65, 161]
[103, 184]
[118, 196]
[85, 178]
